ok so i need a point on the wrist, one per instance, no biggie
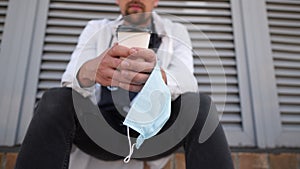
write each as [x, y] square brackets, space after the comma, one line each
[164, 76]
[85, 76]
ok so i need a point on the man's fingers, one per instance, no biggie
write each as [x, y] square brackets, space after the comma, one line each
[131, 87]
[137, 65]
[141, 53]
[127, 80]
[133, 77]
[118, 51]
[111, 62]
[107, 76]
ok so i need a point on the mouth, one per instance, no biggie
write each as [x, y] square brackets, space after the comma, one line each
[137, 7]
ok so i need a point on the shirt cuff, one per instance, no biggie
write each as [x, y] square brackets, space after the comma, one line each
[177, 88]
[173, 87]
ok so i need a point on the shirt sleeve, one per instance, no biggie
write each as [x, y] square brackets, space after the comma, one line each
[84, 51]
[180, 71]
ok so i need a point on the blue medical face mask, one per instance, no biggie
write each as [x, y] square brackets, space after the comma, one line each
[150, 110]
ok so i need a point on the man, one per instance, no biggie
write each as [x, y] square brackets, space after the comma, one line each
[99, 61]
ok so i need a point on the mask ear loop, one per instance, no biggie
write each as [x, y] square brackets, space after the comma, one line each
[131, 148]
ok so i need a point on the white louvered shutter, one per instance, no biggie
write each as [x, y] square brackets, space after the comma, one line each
[211, 32]
[210, 24]
[66, 19]
[284, 25]
[3, 10]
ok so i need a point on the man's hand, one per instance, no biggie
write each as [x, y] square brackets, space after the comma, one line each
[102, 68]
[136, 69]
[119, 66]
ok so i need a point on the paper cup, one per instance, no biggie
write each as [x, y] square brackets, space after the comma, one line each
[133, 36]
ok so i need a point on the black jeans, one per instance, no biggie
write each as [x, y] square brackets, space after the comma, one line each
[55, 127]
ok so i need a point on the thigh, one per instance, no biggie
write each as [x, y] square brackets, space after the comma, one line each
[87, 145]
[206, 144]
[85, 109]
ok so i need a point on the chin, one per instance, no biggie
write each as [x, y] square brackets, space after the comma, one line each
[137, 18]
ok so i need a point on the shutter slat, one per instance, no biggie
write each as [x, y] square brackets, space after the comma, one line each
[286, 40]
[231, 119]
[214, 61]
[195, 4]
[66, 23]
[222, 45]
[206, 28]
[291, 119]
[286, 47]
[288, 81]
[61, 39]
[284, 22]
[233, 89]
[211, 36]
[286, 56]
[84, 7]
[287, 64]
[86, 1]
[229, 99]
[75, 31]
[50, 75]
[292, 100]
[56, 57]
[4, 3]
[3, 11]
[281, 15]
[281, 72]
[202, 19]
[233, 109]
[54, 66]
[287, 6]
[82, 16]
[217, 80]
[193, 12]
[291, 91]
[213, 53]
[59, 48]
[216, 70]
[285, 109]
[290, 31]
[44, 85]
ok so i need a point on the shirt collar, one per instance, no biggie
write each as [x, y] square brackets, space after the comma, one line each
[160, 27]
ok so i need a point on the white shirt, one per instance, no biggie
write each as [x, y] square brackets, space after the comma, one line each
[174, 56]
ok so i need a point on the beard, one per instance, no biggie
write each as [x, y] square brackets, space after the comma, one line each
[136, 17]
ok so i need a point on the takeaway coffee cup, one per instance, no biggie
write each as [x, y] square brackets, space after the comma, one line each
[131, 36]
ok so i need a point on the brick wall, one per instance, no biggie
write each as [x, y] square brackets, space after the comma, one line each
[7, 160]
[241, 161]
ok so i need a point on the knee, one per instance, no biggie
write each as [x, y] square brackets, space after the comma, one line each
[57, 93]
[201, 101]
[206, 104]
[207, 112]
[55, 103]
